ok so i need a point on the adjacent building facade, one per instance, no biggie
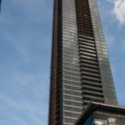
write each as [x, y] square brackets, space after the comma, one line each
[102, 114]
[80, 69]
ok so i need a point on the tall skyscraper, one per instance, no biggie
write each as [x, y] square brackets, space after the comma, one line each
[80, 69]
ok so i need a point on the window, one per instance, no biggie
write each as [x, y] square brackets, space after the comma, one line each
[100, 122]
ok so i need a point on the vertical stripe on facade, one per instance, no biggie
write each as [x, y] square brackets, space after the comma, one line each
[104, 66]
[72, 94]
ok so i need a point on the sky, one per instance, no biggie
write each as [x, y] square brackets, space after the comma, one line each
[25, 53]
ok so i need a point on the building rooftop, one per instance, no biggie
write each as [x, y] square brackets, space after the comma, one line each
[100, 107]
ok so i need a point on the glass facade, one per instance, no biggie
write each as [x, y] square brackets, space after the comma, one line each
[99, 122]
[109, 118]
[80, 69]
[72, 92]
[104, 66]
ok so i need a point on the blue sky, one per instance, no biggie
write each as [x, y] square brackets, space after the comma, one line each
[25, 49]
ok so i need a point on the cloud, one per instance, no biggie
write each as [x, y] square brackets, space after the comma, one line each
[119, 10]
[109, 38]
[110, 41]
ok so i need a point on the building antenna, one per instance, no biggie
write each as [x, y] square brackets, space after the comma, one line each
[120, 3]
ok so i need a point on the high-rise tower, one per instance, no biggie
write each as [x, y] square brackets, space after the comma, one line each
[80, 69]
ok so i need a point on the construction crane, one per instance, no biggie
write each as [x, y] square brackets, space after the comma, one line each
[120, 3]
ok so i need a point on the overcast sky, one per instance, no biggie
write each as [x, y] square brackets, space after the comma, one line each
[25, 49]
